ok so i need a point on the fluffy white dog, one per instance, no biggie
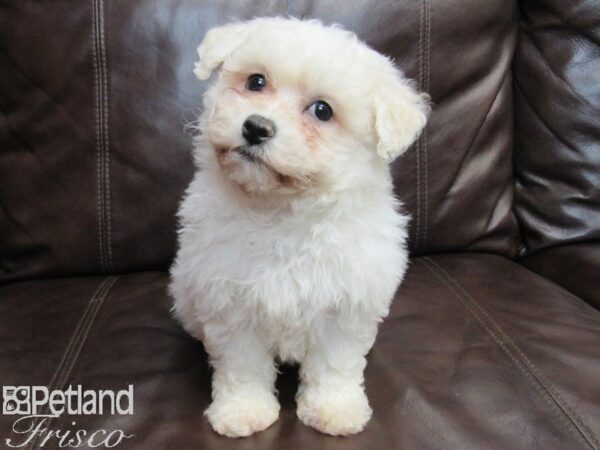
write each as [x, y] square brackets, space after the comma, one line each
[291, 242]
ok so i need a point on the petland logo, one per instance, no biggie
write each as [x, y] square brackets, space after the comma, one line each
[38, 406]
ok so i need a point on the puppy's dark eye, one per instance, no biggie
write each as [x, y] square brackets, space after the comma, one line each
[256, 82]
[321, 110]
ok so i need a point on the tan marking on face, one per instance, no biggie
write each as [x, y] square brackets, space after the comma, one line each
[221, 154]
[311, 133]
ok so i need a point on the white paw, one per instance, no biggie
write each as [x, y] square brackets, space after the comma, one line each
[239, 414]
[342, 412]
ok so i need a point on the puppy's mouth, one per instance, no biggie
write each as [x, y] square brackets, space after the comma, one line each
[248, 155]
[254, 158]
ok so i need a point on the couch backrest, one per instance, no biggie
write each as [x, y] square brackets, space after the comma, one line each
[557, 123]
[94, 97]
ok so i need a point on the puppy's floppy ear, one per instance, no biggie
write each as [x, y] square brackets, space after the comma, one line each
[217, 45]
[400, 115]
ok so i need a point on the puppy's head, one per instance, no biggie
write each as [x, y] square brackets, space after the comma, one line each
[299, 107]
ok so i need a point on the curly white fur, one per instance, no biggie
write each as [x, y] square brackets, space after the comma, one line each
[294, 257]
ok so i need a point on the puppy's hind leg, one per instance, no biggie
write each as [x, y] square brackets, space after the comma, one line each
[243, 383]
[331, 397]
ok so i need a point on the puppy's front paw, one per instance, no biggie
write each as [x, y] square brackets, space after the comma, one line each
[239, 414]
[338, 412]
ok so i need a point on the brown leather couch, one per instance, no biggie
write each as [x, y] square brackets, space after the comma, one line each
[493, 341]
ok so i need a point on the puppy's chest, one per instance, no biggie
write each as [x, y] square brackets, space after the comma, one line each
[285, 263]
[293, 268]
[291, 250]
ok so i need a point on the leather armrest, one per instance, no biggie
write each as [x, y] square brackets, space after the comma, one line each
[575, 267]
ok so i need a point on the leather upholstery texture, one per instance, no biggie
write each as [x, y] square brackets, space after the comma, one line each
[93, 120]
[557, 123]
[576, 267]
[493, 340]
[478, 352]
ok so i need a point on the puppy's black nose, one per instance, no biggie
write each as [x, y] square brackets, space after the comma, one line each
[257, 129]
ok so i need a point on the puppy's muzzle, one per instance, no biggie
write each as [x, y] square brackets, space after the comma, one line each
[258, 129]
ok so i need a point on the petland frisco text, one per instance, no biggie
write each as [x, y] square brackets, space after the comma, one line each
[38, 406]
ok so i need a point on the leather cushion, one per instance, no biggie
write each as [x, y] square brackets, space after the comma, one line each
[478, 352]
[575, 267]
[557, 123]
[95, 158]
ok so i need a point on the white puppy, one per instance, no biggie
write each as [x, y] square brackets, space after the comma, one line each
[291, 242]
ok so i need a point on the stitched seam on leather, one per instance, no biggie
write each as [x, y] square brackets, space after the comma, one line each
[559, 406]
[421, 148]
[102, 141]
[86, 330]
[107, 213]
[78, 338]
[423, 136]
[418, 147]
[565, 406]
[98, 139]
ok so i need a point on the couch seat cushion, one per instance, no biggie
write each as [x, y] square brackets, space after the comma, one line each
[478, 352]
